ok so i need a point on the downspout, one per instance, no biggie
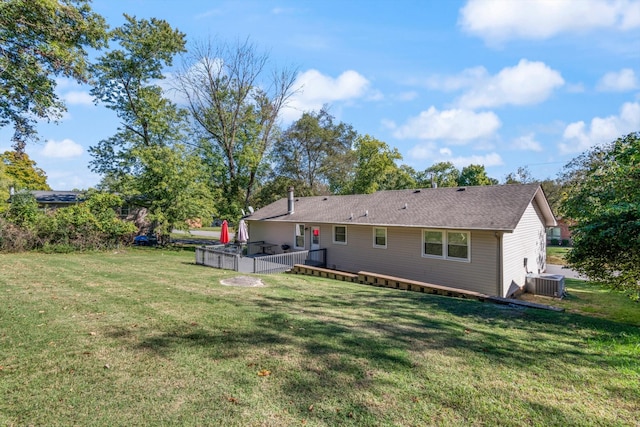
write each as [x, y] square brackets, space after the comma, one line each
[499, 264]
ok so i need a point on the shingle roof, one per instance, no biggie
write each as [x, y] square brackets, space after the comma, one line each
[58, 197]
[498, 207]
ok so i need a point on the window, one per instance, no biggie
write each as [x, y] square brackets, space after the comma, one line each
[433, 243]
[458, 245]
[453, 245]
[379, 237]
[340, 234]
[299, 236]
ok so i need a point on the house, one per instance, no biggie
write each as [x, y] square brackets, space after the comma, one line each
[561, 233]
[57, 199]
[484, 239]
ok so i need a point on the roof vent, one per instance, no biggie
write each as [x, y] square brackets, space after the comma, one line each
[326, 198]
[405, 206]
[462, 189]
[416, 191]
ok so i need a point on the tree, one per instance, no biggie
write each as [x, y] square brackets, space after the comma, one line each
[442, 174]
[375, 165]
[603, 198]
[41, 40]
[475, 175]
[22, 172]
[305, 151]
[147, 157]
[235, 109]
[521, 176]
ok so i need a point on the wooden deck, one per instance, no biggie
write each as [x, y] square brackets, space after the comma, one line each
[382, 280]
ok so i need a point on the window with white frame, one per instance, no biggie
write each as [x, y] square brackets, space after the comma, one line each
[379, 237]
[433, 243]
[458, 245]
[299, 243]
[453, 245]
[340, 234]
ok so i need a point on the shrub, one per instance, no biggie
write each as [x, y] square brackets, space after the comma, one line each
[555, 242]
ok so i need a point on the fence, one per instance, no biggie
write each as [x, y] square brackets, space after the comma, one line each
[217, 257]
[220, 257]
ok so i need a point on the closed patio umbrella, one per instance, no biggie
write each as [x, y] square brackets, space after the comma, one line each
[243, 232]
[224, 233]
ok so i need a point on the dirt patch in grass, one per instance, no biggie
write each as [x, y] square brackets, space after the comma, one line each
[243, 282]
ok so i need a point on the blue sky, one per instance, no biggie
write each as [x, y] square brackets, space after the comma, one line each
[503, 83]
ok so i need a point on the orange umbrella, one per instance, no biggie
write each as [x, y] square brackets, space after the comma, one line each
[224, 233]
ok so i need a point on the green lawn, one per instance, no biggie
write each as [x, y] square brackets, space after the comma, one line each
[556, 254]
[144, 336]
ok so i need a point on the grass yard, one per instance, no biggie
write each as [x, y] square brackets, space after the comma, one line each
[144, 337]
[556, 254]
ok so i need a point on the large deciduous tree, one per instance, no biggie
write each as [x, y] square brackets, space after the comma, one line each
[148, 157]
[39, 41]
[307, 153]
[235, 101]
[603, 198]
[475, 175]
[441, 174]
[375, 166]
[22, 172]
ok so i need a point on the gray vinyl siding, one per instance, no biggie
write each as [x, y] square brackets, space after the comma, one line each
[528, 240]
[279, 233]
[402, 257]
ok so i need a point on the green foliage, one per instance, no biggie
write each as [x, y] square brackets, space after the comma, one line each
[235, 109]
[521, 176]
[22, 172]
[375, 165]
[442, 174]
[41, 40]
[603, 198]
[23, 210]
[310, 151]
[146, 158]
[475, 175]
[93, 224]
[4, 189]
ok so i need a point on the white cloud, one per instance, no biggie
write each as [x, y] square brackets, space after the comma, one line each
[77, 97]
[64, 149]
[455, 125]
[498, 20]
[407, 96]
[467, 78]
[579, 137]
[317, 89]
[620, 81]
[524, 84]
[430, 152]
[487, 160]
[527, 143]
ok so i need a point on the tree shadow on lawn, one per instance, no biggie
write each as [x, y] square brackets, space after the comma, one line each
[507, 335]
[336, 344]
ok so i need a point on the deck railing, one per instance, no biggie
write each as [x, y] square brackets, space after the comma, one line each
[221, 257]
[217, 257]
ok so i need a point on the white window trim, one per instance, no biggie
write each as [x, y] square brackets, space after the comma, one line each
[445, 244]
[386, 237]
[296, 235]
[333, 236]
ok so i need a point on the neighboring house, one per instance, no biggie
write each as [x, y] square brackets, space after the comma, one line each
[57, 199]
[484, 239]
[49, 200]
[561, 233]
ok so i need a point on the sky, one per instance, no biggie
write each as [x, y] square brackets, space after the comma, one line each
[502, 83]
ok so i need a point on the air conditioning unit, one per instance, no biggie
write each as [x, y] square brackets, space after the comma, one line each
[551, 285]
